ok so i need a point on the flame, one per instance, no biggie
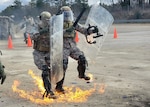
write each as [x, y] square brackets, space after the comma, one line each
[102, 88]
[91, 77]
[38, 81]
[72, 94]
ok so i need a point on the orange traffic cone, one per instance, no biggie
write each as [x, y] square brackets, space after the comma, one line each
[115, 34]
[76, 37]
[29, 44]
[10, 45]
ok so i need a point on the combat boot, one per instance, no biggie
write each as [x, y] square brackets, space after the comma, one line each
[49, 94]
[82, 67]
[59, 87]
[83, 76]
[47, 84]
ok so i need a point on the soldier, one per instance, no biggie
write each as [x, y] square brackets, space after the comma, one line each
[41, 52]
[6, 27]
[2, 73]
[29, 24]
[70, 48]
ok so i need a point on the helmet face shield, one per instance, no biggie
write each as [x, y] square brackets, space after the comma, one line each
[68, 15]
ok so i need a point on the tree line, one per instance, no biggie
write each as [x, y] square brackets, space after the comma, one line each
[35, 7]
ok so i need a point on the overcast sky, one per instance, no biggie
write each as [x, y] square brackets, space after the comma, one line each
[6, 3]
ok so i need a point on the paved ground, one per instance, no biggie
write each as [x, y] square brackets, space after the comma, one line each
[121, 76]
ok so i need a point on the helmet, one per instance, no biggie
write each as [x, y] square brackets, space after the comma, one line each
[65, 8]
[68, 14]
[45, 15]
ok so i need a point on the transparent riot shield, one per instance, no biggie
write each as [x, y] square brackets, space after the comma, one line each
[56, 48]
[102, 19]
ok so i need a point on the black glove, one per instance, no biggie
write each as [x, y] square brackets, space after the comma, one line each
[95, 30]
[92, 29]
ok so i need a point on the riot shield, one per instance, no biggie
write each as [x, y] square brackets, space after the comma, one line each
[56, 48]
[102, 19]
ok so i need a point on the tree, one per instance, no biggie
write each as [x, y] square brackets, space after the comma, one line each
[32, 3]
[40, 3]
[81, 1]
[140, 3]
[125, 4]
[17, 3]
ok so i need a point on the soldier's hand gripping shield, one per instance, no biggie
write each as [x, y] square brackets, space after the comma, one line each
[100, 20]
[56, 48]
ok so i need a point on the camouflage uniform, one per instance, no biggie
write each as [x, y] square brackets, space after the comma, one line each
[41, 52]
[39, 58]
[29, 25]
[42, 55]
[70, 48]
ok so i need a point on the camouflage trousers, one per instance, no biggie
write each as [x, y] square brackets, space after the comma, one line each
[39, 58]
[71, 49]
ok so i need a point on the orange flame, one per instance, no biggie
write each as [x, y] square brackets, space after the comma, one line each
[73, 94]
[91, 77]
[102, 88]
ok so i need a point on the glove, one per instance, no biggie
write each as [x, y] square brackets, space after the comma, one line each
[69, 30]
[95, 30]
[92, 29]
[2, 73]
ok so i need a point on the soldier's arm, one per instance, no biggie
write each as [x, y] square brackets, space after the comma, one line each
[81, 29]
[86, 30]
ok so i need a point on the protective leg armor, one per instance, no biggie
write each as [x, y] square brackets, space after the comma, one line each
[82, 67]
[47, 83]
[59, 85]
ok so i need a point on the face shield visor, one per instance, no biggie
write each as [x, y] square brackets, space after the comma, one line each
[68, 15]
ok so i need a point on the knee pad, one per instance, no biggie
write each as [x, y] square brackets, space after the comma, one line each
[65, 64]
[47, 61]
[82, 60]
[81, 64]
[45, 71]
[45, 68]
[45, 74]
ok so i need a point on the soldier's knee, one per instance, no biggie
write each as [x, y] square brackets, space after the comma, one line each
[65, 64]
[45, 71]
[82, 60]
[45, 74]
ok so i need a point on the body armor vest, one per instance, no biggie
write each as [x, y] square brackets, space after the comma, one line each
[69, 34]
[42, 43]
